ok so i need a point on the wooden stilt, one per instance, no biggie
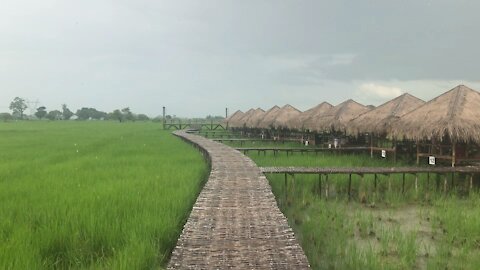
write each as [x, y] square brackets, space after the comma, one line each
[349, 186]
[371, 145]
[445, 183]
[320, 185]
[454, 150]
[403, 184]
[418, 153]
[416, 183]
[394, 151]
[327, 186]
[428, 180]
[471, 182]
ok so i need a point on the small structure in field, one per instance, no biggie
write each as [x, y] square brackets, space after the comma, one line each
[231, 120]
[285, 114]
[240, 123]
[306, 119]
[445, 127]
[268, 118]
[379, 120]
[336, 119]
[254, 118]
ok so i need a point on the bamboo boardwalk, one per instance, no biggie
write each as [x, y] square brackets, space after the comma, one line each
[235, 222]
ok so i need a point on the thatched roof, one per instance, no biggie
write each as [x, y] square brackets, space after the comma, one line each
[268, 117]
[337, 117]
[234, 115]
[254, 118]
[240, 121]
[284, 115]
[380, 119]
[300, 122]
[454, 114]
[232, 119]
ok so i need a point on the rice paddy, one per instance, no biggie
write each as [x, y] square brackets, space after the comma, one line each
[380, 228]
[93, 195]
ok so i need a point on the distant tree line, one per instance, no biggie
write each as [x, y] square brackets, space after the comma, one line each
[19, 105]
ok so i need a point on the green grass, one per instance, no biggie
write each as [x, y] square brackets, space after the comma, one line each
[93, 195]
[418, 229]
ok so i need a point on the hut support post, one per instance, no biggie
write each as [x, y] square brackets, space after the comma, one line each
[371, 145]
[403, 184]
[327, 186]
[394, 151]
[416, 183]
[471, 182]
[286, 187]
[418, 153]
[454, 149]
[428, 180]
[445, 183]
[350, 186]
[375, 182]
[320, 185]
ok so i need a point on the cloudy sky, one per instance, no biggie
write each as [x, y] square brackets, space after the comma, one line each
[198, 57]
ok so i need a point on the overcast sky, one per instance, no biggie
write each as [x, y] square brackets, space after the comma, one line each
[198, 57]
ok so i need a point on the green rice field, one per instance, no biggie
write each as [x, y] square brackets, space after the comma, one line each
[93, 195]
[423, 228]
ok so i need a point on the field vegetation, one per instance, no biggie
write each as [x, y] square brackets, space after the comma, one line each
[377, 228]
[93, 195]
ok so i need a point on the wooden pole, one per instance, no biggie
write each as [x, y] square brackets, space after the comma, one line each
[349, 186]
[371, 145]
[454, 150]
[445, 183]
[286, 187]
[403, 184]
[471, 182]
[394, 151]
[327, 187]
[418, 153]
[320, 185]
[416, 183]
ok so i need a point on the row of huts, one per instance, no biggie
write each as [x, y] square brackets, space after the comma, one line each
[447, 126]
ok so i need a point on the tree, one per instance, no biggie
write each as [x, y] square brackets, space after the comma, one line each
[18, 106]
[66, 113]
[41, 112]
[5, 116]
[90, 113]
[127, 114]
[117, 115]
[55, 115]
[142, 117]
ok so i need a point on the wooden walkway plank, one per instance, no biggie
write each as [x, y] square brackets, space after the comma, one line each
[235, 222]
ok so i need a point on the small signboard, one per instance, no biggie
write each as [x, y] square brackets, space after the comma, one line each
[329, 146]
[384, 153]
[306, 143]
[431, 160]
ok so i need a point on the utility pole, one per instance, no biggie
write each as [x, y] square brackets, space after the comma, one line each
[32, 105]
[164, 120]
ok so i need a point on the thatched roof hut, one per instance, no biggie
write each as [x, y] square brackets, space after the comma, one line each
[454, 115]
[254, 118]
[300, 122]
[337, 118]
[241, 120]
[285, 114]
[269, 117]
[233, 119]
[380, 119]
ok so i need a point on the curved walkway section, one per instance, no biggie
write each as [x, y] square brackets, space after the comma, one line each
[235, 222]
